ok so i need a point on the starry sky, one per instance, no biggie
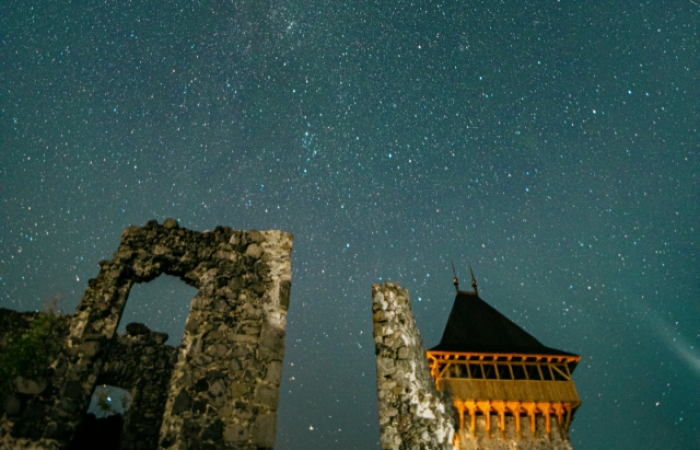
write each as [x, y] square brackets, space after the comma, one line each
[552, 145]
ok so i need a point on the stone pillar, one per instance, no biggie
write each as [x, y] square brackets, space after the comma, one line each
[224, 389]
[412, 413]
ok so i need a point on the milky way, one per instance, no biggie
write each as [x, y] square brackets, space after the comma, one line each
[551, 145]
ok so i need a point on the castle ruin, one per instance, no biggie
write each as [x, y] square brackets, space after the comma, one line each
[217, 390]
[488, 385]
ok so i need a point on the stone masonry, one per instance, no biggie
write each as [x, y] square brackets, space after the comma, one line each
[139, 362]
[218, 390]
[413, 415]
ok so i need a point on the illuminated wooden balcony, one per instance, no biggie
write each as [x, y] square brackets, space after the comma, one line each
[491, 366]
[505, 377]
[510, 384]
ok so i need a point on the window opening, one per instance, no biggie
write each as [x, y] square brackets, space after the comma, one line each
[109, 400]
[519, 372]
[103, 422]
[162, 305]
[559, 371]
[490, 372]
[476, 371]
[532, 372]
[504, 372]
[546, 373]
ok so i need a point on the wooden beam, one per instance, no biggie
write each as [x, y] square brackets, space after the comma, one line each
[531, 409]
[565, 375]
[485, 407]
[500, 408]
[494, 356]
[471, 406]
[460, 409]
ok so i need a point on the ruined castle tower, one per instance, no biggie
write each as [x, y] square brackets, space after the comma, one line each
[510, 391]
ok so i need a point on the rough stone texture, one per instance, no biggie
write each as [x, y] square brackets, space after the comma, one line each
[556, 440]
[217, 390]
[139, 362]
[413, 415]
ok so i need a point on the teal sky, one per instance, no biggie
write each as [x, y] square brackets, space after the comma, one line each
[552, 145]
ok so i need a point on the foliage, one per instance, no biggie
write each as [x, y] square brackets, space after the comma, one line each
[27, 355]
[103, 402]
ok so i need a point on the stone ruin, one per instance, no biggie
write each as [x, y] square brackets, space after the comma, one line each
[412, 413]
[217, 390]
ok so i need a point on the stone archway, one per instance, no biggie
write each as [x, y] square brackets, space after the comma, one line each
[224, 387]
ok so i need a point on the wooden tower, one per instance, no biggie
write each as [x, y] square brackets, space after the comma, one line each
[504, 383]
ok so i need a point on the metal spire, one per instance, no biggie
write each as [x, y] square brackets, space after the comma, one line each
[476, 291]
[455, 281]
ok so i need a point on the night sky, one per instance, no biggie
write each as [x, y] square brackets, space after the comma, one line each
[552, 145]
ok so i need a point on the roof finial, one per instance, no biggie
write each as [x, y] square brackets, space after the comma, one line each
[455, 281]
[476, 291]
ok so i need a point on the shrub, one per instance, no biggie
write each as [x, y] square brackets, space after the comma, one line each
[27, 355]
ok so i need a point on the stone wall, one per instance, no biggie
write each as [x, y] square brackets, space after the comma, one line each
[413, 415]
[219, 389]
[139, 362]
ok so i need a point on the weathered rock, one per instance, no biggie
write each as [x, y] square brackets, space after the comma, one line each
[170, 224]
[11, 405]
[136, 329]
[29, 386]
[254, 251]
[215, 431]
[403, 378]
[182, 402]
[236, 433]
[264, 431]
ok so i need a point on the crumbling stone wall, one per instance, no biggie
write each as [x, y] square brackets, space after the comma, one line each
[223, 388]
[140, 362]
[137, 361]
[412, 413]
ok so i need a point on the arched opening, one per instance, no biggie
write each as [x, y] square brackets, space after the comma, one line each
[162, 305]
[103, 423]
[152, 309]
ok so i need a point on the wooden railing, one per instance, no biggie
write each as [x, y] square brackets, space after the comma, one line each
[513, 390]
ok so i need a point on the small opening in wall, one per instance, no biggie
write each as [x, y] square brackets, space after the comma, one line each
[102, 424]
[109, 400]
[162, 305]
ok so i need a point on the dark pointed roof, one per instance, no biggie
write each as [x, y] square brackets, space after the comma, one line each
[475, 326]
